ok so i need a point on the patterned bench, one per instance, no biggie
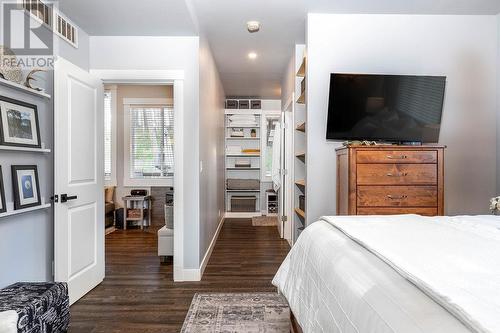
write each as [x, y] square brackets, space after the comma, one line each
[42, 307]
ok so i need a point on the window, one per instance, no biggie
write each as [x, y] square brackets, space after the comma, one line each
[110, 136]
[149, 137]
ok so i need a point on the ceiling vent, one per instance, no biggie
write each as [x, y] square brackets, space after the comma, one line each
[39, 10]
[45, 13]
[65, 29]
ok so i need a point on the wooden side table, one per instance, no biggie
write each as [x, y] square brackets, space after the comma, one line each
[137, 202]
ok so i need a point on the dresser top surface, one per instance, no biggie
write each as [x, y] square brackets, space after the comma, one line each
[392, 147]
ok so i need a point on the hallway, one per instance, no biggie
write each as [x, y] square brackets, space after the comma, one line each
[138, 294]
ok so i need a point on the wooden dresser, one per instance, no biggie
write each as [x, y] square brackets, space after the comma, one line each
[385, 180]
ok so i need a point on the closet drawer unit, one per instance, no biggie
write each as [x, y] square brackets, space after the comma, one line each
[396, 174]
[398, 196]
[425, 211]
[396, 156]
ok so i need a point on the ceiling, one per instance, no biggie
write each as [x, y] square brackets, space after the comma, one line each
[223, 22]
[130, 17]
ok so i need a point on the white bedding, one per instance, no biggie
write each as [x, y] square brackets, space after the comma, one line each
[334, 284]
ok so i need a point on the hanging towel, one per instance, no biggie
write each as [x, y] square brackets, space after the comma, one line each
[276, 162]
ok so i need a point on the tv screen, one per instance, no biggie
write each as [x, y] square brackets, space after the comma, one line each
[396, 108]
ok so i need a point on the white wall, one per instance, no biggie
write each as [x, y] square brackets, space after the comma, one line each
[498, 107]
[167, 53]
[288, 80]
[211, 138]
[464, 48]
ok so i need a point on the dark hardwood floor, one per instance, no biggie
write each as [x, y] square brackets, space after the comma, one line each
[138, 294]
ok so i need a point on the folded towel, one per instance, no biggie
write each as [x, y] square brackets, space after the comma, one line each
[242, 117]
[250, 151]
[8, 321]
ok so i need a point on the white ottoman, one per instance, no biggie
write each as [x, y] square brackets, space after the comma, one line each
[165, 242]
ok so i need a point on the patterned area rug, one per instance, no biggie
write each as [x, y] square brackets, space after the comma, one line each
[264, 221]
[238, 312]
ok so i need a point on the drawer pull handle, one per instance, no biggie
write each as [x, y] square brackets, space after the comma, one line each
[400, 174]
[399, 157]
[397, 197]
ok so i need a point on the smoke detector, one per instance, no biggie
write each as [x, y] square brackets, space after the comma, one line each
[253, 26]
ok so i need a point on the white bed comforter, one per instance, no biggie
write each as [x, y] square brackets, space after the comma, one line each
[335, 285]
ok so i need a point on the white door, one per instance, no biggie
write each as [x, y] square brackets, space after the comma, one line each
[79, 175]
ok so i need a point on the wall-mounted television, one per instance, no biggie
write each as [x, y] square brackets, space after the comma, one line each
[394, 108]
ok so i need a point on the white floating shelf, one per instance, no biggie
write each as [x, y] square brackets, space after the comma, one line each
[246, 191]
[236, 138]
[242, 155]
[24, 210]
[27, 149]
[23, 88]
[244, 126]
[256, 112]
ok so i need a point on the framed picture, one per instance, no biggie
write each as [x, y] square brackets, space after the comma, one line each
[19, 123]
[3, 207]
[26, 186]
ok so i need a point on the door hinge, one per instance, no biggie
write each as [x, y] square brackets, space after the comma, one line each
[284, 172]
[284, 218]
[285, 126]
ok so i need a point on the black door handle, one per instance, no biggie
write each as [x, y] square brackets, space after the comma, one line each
[65, 197]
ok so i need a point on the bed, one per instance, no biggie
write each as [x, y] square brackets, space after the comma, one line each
[403, 273]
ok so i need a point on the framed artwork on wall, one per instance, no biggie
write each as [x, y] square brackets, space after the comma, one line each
[3, 206]
[19, 123]
[26, 187]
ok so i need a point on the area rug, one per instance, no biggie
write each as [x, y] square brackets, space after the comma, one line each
[264, 221]
[238, 312]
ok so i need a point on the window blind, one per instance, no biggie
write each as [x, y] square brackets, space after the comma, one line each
[107, 135]
[151, 142]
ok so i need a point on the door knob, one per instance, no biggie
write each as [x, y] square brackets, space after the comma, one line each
[65, 197]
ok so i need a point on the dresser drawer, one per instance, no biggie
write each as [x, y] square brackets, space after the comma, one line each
[396, 174]
[396, 156]
[397, 196]
[425, 211]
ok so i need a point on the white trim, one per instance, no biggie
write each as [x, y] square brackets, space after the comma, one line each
[175, 77]
[206, 258]
[195, 274]
[178, 180]
[114, 136]
[135, 76]
[127, 181]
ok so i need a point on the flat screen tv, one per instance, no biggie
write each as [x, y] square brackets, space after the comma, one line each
[394, 108]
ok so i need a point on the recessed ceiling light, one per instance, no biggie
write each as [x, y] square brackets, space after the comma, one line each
[253, 26]
[252, 55]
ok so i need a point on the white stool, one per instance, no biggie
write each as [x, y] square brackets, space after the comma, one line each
[165, 242]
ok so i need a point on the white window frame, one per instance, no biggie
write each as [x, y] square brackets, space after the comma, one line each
[127, 181]
[114, 104]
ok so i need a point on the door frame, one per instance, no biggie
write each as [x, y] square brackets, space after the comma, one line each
[175, 78]
[288, 186]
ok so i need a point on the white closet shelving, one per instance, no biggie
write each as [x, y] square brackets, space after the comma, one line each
[252, 171]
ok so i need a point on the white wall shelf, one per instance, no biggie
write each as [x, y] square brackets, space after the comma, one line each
[25, 210]
[244, 138]
[25, 149]
[23, 88]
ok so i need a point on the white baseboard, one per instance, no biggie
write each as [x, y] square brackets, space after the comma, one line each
[229, 215]
[204, 262]
[195, 274]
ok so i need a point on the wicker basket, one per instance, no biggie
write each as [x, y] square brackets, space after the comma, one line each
[243, 203]
[134, 213]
